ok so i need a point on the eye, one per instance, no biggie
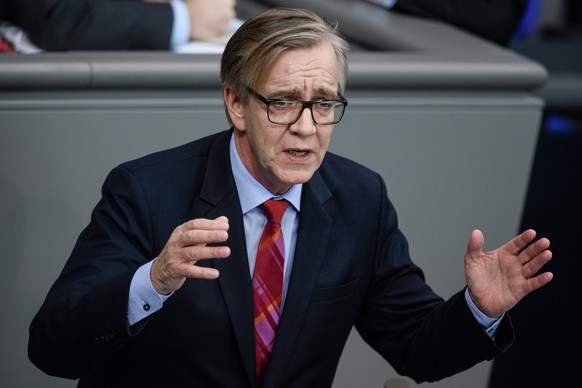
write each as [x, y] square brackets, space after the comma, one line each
[325, 105]
[283, 104]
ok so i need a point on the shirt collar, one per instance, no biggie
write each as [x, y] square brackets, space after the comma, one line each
[251, 193]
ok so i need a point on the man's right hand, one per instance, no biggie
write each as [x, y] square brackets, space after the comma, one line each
[186, 246]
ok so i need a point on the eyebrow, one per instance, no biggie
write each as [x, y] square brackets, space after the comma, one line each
[294, 94]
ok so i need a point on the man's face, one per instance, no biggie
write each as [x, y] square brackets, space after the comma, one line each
[279, 156]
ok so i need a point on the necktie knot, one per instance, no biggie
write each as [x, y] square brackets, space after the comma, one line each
[274, 210]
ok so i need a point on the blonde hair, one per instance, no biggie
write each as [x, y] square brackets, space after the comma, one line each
[264, 37]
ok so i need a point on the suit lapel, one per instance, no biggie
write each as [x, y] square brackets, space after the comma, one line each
[312, 238]
[218, 196]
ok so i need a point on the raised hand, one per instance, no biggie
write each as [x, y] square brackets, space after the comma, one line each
[500, 278]
[187, 245]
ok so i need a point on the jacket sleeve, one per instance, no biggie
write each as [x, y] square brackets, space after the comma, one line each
[83, 319]
[415, 330]
[62, 25]
[494, 20]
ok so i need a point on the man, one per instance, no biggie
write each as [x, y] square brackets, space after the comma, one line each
[494, 20]
[63, 25]
[165, 287]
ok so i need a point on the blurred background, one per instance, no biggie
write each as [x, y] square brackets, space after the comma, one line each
[547, 324]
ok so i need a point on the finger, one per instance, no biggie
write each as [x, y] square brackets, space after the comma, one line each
[192, 270]
[536, 248]
[201, 237]
[222, 219]
[475, 244]
[197, 253]
[219, 223]
[197, 272]
[533, 250]
[540, 281]
[536, 263]
[195, 231]
[518, 243]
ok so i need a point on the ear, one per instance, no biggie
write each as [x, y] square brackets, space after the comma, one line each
[235, 108]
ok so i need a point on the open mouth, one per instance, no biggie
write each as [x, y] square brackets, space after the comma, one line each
[298, 153]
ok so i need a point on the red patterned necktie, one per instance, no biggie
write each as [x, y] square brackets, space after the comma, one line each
[268, 283]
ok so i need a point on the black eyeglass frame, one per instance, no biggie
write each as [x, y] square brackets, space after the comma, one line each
[306, 104]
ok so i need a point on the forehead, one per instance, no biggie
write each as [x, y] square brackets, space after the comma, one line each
[304, 68]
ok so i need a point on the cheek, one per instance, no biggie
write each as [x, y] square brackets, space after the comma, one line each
[324, 138]
[267, 147]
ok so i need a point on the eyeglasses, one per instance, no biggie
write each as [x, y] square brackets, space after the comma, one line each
[284, 112]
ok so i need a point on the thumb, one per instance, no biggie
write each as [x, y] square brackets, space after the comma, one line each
[475, 244]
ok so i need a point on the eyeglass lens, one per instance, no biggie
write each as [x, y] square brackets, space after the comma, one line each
[322, 112]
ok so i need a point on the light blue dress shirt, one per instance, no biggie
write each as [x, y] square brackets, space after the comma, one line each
[144, 300]
[384, 3]
[181, 26]
[251, 195]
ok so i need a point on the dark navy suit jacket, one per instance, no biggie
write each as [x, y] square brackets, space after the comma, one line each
[62, 25]
[351, 267]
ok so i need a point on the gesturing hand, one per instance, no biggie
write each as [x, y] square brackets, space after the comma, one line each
[185, 247]
[499, 279]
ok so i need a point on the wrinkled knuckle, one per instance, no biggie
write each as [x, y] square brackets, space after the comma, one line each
[185, 272]
[193, 254]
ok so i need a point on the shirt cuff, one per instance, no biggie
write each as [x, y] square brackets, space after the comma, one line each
[488, 324]
[143, 298]
[181, 26]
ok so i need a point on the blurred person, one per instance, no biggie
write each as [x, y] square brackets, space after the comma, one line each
[493, 20]
[175, 283]
[63, 25]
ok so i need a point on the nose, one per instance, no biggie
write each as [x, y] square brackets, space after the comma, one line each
[305, 125]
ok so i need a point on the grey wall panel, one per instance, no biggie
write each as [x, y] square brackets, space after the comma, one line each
[52, 164]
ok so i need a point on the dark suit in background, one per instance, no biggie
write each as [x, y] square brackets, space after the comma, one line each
[60, 25]
[494, 20]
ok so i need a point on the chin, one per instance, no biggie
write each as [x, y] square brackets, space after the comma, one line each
[289, 177]
[295, 179]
